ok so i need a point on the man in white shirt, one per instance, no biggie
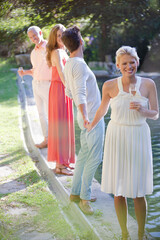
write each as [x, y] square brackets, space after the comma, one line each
[41, 79]
[81, 85]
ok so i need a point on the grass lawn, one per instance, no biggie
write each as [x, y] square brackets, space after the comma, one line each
[35, 205]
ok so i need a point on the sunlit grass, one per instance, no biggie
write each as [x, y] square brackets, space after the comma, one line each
[34, 194]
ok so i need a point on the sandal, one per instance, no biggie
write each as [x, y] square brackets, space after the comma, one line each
[72, 168]
[63, 171]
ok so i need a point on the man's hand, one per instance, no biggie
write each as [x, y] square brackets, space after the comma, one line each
[21, 71]
[88, 125]
[85, 123]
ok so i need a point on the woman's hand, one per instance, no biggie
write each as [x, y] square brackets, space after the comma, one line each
[136, 106]
[89, 127]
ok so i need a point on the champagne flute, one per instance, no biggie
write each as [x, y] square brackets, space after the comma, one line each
[21, 69]
[132, 91]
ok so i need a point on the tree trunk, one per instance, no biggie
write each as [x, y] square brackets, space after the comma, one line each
[103, 42]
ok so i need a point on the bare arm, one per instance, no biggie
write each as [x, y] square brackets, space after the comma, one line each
[83, 109]
[25, 72]
[153, 111]
[103, 108]
[57, 61]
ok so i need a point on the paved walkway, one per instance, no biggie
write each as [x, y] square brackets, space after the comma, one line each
[103, 224]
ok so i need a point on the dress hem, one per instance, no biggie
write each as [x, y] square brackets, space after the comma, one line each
[127, 196]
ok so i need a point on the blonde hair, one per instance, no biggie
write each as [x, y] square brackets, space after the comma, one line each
[126, 50]
[52, 42]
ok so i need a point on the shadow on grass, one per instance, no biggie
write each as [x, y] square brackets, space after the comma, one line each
[12, 157]
[18, 184]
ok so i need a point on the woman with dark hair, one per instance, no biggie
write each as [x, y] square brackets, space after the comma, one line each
[61, 140]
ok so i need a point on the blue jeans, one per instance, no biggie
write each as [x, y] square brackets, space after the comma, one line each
[88, 159]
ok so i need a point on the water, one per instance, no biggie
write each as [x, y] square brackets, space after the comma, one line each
[153, 201]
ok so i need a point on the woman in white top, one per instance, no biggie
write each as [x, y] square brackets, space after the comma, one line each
[127, 164]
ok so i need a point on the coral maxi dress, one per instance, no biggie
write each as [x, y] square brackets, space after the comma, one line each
[61, 139]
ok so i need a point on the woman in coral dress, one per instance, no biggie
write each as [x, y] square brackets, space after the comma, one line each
[61, 139]
[127, 164]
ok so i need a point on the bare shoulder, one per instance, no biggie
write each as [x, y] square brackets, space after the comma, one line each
[110, 84]
[147, 82]
[147, 87]
[56, 52]
[59, 53]
[110, 88]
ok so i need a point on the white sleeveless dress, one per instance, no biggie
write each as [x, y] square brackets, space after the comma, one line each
[127, 165]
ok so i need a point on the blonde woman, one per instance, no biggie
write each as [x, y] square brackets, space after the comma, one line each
[127, 164]
[61, 141]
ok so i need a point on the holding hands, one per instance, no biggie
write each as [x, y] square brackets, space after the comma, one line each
[88, 126]
[86, 122]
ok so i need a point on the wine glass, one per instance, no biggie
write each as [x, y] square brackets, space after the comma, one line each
[132, 89]
[21, 69]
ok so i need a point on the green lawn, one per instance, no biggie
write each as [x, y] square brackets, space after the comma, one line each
[34, 196]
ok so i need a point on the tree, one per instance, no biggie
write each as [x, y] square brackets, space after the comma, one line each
[133, 19]
[138, 21]
[16, 17]
[111, 23]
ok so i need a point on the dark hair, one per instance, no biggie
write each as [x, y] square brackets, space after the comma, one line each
[71, 38]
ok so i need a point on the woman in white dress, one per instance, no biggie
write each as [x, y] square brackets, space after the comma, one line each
[127, 165]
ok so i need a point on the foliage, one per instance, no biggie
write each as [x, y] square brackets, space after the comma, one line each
[138, 21]
[108, 24]
[16, 17]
